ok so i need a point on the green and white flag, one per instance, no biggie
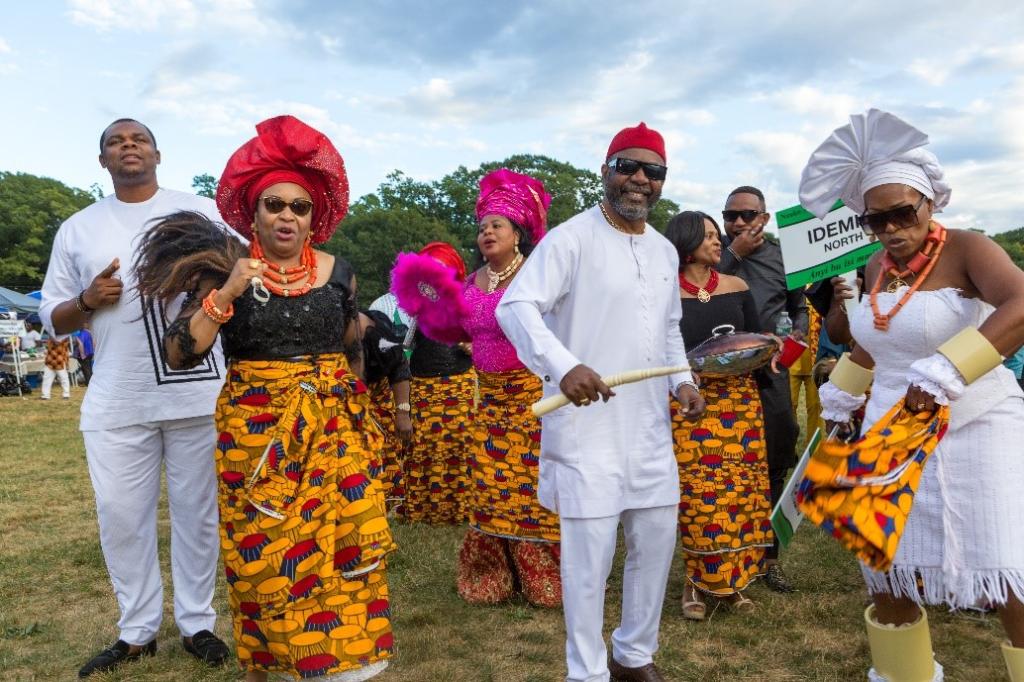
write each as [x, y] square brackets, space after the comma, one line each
[786, 516]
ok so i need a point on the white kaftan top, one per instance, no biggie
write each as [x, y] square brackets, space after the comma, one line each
[593, 295]
[131, 382]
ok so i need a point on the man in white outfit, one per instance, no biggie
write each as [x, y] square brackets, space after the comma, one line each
[140, 416]
[600, 295]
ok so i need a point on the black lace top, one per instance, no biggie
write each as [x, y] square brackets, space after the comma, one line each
[433, 359]
[286, 327]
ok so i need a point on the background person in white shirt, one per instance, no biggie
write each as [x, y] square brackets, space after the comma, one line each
[139, 416]
[30, 338]
[600, 295]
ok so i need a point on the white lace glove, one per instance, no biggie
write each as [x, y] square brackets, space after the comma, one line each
[837, 405]
[937, 375]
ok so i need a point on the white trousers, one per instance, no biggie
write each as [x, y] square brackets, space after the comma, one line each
[48, 376]
[125, 466]
[588, 547]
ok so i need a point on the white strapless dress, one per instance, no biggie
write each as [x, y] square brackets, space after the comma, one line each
[965, 533]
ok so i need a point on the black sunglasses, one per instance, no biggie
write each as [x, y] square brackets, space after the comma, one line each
[628, 167]
[299, 207]
[900, 217]
[748, 215]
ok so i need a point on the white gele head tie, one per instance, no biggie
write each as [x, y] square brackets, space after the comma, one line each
[874, 148]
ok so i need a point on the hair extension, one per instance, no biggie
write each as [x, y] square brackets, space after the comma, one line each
[181, 250]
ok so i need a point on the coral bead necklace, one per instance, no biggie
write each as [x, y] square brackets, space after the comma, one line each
[703, 293]
[276, 276]
[918, 267]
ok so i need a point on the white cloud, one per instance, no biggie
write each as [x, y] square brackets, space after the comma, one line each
[240, 17]
[5, 47]
[785, 151]
[144, 15]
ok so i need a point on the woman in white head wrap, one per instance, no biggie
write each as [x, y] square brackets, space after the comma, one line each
[945, 307]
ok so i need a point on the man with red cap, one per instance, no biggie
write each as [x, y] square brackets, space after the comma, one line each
[140, 415]
[600, 296]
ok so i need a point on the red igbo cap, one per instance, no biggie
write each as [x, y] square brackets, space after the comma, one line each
[448, 255]
[285, 150]
[640, 137]
[518, 197]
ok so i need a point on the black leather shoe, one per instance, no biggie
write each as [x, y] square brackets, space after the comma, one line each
[117, 653]
[645, 673]
[207, 647]
[777, 580]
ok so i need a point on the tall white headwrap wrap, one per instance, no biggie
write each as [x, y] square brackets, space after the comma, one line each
[874, 148]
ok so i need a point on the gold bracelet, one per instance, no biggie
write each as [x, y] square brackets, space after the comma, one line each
[848, 376]
[971, 353]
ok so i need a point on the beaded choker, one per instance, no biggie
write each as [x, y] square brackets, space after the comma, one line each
[275, 276]
[495, 278]
[919, 267]
[703, 293]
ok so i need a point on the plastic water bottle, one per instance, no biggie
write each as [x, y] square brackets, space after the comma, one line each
[784, 327]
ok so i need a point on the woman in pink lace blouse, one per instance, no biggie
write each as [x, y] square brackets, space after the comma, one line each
[511, 535]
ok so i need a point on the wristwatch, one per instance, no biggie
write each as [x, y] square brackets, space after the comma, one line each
[403, 407]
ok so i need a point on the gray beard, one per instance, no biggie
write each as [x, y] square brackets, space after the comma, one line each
[630, 212]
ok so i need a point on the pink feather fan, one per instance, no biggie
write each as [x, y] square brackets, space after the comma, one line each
[432, 293]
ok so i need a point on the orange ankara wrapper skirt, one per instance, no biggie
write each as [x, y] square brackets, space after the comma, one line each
[862, 492]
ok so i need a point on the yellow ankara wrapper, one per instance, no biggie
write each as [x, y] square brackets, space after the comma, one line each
[862, 492]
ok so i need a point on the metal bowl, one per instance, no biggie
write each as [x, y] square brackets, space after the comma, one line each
[730, 353]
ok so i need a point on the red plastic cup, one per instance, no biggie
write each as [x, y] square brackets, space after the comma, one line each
[791, 351]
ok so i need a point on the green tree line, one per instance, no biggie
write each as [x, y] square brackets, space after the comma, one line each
[403, 214]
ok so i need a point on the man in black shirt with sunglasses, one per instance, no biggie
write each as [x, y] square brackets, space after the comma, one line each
[758, 262]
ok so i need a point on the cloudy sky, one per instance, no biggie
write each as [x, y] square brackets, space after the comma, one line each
[743, 91]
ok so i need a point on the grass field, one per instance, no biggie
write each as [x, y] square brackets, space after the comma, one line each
[57, 606]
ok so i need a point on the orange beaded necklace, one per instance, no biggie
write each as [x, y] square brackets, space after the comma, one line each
[919, 267]
[274, 276]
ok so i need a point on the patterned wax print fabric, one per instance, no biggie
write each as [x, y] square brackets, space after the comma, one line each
[724, 506]
[57, 353]
[303, 527]
[504, 464]
[861, 492]
[435, 464]
[382, 409]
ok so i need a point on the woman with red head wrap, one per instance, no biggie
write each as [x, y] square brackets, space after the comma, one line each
[302, 520]
[441, 403]
[512, 539]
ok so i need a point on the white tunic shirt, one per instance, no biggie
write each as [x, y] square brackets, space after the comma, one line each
[131, 383]
[593, 295]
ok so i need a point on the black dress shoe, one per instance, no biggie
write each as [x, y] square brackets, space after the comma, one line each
[777, 580]
[207, 647]
[117, 653]
[645, 673]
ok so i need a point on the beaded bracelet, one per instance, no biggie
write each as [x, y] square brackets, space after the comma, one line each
[82, 306]
[215, 313]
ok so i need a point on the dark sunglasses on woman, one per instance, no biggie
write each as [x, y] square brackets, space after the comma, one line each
[299, 207]
[900, 217]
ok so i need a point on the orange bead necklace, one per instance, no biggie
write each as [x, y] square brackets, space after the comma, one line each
[274, 276]
[919, 267]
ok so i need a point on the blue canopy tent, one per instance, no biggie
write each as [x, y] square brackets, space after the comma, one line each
[21, 303]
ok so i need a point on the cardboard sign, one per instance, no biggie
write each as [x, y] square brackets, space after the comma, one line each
[814, 249]
[11, 328]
